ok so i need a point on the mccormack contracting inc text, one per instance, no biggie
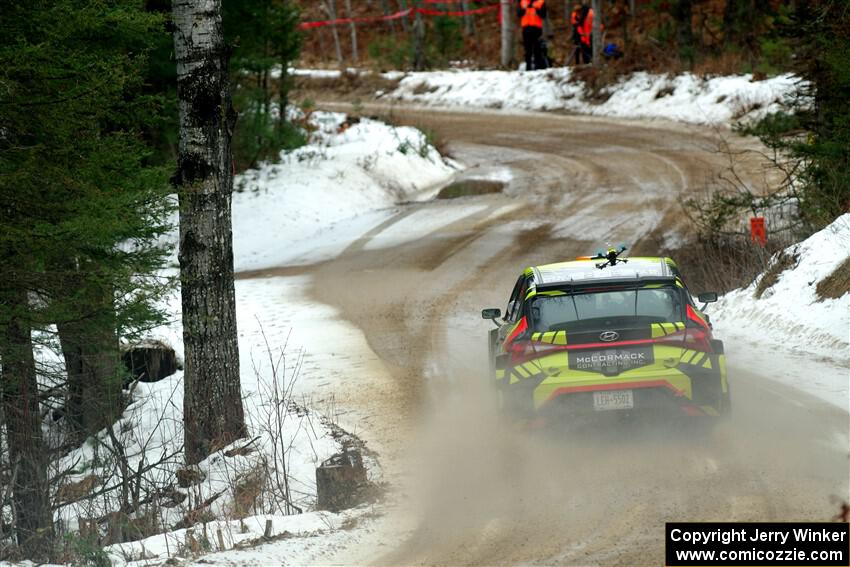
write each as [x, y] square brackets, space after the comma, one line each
[805, 544]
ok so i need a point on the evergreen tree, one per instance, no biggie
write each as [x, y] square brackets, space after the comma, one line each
[81, 211]
[265, 40]
[816, 135]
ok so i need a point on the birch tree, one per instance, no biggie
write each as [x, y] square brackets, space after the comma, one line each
[353, 28]
[212, 404]
[330, 9]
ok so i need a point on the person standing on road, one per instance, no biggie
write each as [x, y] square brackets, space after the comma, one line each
[531, 14]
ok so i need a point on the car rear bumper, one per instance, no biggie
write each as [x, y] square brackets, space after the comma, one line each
[646, 396]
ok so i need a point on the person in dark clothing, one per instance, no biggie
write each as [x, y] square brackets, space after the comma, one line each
[576, 23]
[531, 14]
[585, 32]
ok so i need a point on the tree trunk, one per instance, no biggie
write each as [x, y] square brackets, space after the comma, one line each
[731, 25]
[507, 33]
[468, 20]
[403, 6]
[27, 452]
[596, 33]
[683, 13]
[385, 9]
[212, 404]
[418, 40]
[353, 27]
[91, 352]
[282, 96]
[330, 6]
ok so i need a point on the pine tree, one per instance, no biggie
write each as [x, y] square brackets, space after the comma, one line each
[816, 134]
[81, 212]
[212, 403]
[265, 40]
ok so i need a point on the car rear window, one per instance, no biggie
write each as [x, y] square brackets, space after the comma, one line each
[599, 309]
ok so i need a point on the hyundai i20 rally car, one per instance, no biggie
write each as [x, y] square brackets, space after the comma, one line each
[585, 336]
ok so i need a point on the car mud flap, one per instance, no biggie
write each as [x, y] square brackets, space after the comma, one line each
[518, 387]
[705, 376]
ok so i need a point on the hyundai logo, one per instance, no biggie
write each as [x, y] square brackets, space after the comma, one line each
[609, 336]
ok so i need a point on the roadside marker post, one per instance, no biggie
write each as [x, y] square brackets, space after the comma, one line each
[757, 231]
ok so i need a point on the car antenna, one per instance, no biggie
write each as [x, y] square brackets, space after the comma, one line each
[611, 256]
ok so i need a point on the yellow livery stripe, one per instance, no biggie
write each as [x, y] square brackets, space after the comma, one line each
[560, 338]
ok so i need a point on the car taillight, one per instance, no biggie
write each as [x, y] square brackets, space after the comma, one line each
[522, 351]
[515, 343]
[695, 319]
[697, 339]
[697, 332]
[521, 327]
[691, 338]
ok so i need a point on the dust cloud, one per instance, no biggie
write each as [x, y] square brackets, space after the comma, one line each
[488, 492]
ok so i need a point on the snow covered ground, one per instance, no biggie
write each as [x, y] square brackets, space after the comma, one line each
[790, 330]
[292, 212]
[685, 98]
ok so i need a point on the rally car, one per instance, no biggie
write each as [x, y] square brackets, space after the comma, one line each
[607, 334]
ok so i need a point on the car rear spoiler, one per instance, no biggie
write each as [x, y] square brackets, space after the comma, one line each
[628, 283]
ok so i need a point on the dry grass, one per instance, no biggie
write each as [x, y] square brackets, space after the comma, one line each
[780, 263]
[424, 88]
[722, 264]
[74, 491]
[347, 84]
[725, 63]
[836, 284]
[247, 490]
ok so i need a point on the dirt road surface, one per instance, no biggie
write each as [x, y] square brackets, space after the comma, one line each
[476, 491]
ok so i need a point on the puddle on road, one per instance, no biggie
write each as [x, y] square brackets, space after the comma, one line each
[470, 187]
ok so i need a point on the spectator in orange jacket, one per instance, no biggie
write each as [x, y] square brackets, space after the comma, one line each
[584, 27]
[531, 14]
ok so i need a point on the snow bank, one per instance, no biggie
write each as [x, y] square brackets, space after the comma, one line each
[290, 212]
[285, 436]
[791, 325]
[685, 98]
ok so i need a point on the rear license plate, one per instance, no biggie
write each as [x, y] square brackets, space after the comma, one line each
[613, 400]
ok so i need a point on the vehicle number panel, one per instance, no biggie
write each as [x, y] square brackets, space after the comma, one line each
[613, 400]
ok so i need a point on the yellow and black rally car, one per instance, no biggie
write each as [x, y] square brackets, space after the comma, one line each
[607, 333]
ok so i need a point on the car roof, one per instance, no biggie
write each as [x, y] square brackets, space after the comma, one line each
[578, 271]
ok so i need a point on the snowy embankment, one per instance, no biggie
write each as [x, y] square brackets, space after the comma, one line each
[291, 212]
[684, 98]
[791, 330]
[308, 207]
